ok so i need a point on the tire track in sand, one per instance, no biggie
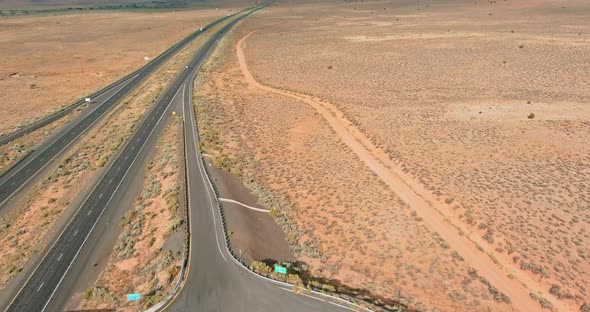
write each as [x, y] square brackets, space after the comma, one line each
[419, 199]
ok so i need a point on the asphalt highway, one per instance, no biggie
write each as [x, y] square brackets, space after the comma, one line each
[215, 280]
[19, 176]
[142, 72]
[38, 290]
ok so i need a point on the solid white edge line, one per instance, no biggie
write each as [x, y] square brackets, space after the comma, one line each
[108, 202]
[202, 171]
[336, 304]
[52, 158]
[312, 297]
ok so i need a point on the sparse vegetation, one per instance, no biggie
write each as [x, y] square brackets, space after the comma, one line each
[149, 224]
[340, 215]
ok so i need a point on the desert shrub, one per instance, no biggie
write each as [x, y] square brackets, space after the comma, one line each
[260, 268]
[100, 293]
[531, 116]
[175, 223]
[545, 304]
[167, 259]
[559, 293]
[456, 295]
[103, 160]
[488, 236]
[173, 272]
[153, 188]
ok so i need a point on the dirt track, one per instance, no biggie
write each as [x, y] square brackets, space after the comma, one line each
[418, 198]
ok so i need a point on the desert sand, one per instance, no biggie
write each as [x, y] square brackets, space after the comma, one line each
[49, 61]
[433, 151]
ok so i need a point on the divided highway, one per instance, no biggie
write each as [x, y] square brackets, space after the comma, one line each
[15, 179]
[143, 72]
[39, 288]
[215, 280]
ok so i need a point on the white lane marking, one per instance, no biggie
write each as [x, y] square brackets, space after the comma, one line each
[126, 157]
[227, 200]
[53, 149]
[40, 286]
[89, 212]
[102, 211]
[111, 180]
[75, 232]
[202, 169]
[339, 305]
[241, 265]
[319, 299]
[286, 289]
[13, 182]
[60, 255]
[100, 196]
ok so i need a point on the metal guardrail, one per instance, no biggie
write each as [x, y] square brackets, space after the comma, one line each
[186, 251]
[187, 238]
[235, 258]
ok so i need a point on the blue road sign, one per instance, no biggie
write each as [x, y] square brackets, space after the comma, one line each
[133, 297]
[280, 269]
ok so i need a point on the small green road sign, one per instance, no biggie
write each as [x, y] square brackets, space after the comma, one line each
[280, 269]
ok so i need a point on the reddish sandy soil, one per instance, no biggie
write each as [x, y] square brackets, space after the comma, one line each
[392, 126]
[49, 61]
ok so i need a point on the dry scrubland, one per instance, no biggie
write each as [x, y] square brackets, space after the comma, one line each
[42, 57]
[30, 223]
[483, 105]
[140, 261]
[14, 151]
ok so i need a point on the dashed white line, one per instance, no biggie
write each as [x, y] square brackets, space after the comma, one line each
[111, 180]
[60, 255]
[100, 196]
[40, 286]
[75, 232]
[89, 212]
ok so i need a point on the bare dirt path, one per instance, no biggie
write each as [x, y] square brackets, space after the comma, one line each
[423, 202]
